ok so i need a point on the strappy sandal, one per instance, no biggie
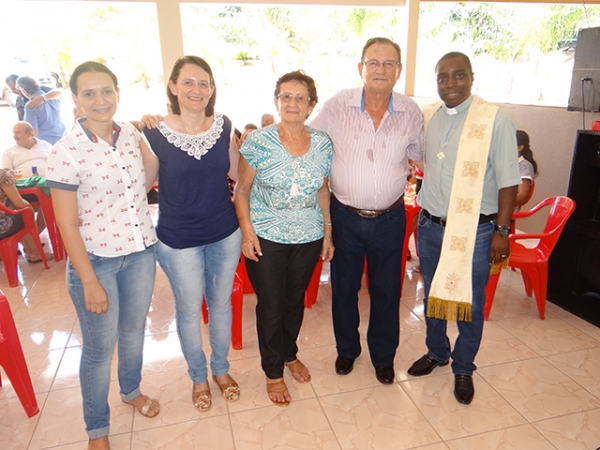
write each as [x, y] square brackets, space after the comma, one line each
[296, 367]
[202, 400]
[277, 388]
[229, 389]
[146, 408]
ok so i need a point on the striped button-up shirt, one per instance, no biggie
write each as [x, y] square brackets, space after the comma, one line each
[369, 166]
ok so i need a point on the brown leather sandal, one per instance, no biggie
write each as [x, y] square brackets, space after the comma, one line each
[277, 388]
[202, 400]
[296, 367]
[229, 389]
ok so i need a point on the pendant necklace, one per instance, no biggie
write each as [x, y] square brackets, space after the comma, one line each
[441, 154]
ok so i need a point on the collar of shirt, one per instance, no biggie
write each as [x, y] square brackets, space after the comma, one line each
[361, 105]
[464, 106]
[91, 136]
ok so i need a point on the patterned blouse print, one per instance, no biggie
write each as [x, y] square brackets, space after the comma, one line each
[284, 205]
[6, 179]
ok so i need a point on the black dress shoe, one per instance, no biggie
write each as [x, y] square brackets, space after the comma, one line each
[385, 375]
[464, 391]
[343, 366]
[424, 365]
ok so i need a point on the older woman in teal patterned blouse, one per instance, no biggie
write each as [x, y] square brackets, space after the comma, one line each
[282, 204]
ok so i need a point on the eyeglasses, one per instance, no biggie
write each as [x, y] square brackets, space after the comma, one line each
[301, 99]
[373, 64]
[190, 83]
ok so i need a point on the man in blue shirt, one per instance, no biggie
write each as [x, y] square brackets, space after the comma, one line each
[11, 83]
[46, 119]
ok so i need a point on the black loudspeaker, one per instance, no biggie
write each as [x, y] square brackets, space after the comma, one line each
[585, 84]
[574, 268]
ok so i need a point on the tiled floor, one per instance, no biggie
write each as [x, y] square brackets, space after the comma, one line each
[537, 387]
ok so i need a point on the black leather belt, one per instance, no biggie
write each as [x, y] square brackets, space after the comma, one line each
[372, 213]
[442, 220]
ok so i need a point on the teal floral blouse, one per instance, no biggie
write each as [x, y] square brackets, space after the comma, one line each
[284, 205]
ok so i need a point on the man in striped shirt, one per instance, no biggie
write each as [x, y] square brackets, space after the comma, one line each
[374, 132]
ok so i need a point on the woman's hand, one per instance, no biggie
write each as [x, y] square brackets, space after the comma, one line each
[251, 245]
[328, 249]
[96, 300]
[149, 121]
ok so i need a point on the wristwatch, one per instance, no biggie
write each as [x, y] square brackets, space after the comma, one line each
[502, 230]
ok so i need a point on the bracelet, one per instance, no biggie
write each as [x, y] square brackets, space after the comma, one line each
[45, 97]
[327, 224]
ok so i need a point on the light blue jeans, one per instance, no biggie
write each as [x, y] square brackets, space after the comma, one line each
[128, 282]
[195, 272]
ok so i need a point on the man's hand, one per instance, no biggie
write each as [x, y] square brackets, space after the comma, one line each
[36, 101]
[500, 249]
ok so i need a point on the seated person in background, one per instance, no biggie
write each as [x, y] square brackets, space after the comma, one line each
[249, 128]
[10, 225]
[527, 167]
[11, 84]
[45, 120]
[28, 151]
[266, 120]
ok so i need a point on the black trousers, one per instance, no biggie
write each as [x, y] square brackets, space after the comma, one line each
[280, 278]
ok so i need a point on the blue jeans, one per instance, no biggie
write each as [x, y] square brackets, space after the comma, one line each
[128, 282]
[469, 333]
[195, 272]
[380, 240]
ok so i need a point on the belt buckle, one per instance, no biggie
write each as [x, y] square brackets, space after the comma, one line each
[367, 213]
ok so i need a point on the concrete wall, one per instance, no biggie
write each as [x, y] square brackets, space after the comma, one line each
[552, 132]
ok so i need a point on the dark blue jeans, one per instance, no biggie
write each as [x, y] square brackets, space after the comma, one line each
[381, 240]
[469, 337]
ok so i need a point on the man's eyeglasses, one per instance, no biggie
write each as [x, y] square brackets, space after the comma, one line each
[373, 64]
[190, 83]
[301, 99]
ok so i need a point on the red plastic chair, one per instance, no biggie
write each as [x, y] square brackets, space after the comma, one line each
[310, 296]
[243, 274]
[9, 246]
[533, 262]
[237, 303]
[45, 203]
[13, 362]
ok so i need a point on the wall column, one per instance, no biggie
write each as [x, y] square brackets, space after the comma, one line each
[171, 34]
[410, 48]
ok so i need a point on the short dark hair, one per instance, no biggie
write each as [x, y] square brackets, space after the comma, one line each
[90, 66]
[28, 85]
[299, 75]
[11, 77]
[176, 70]
[250, 126]
[381, 40]
[452, 55]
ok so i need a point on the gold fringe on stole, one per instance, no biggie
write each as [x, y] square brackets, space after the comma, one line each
[496, 268]
[438, 308]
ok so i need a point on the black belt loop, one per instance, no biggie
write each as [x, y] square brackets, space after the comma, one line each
[442, 220]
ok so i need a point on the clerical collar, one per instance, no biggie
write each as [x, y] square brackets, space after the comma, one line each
[460, 108]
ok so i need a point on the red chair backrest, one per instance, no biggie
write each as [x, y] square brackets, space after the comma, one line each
[561, 209]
